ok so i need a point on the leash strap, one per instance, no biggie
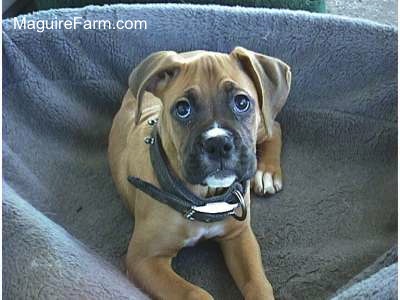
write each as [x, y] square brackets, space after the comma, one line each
[175, 194]
[177, 204]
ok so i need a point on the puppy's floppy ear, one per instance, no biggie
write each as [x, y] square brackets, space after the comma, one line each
[153, 75]
[272, 78]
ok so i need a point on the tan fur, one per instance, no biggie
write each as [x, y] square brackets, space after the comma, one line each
[160, 232]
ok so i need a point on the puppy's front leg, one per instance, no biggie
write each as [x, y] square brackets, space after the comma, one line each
[268, 178]
[243, 258]
[153, 272]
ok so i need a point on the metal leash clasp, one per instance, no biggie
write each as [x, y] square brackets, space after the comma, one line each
[243, 207]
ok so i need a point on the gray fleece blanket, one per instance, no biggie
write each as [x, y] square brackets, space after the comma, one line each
[65, 229]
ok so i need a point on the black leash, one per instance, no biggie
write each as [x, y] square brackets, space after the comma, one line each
[175, 194]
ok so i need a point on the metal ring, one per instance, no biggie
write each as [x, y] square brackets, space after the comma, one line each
[152, 122]
[242, 204]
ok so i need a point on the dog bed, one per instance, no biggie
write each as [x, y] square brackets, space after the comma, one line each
[330, 232]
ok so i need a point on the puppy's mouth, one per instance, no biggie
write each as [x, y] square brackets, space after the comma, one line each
[220, 179]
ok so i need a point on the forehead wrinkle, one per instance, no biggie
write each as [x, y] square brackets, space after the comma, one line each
[200, 67]
[212, 66]
[206, 72]
[208, 67]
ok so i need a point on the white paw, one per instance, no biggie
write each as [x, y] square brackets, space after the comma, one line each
[266, 182]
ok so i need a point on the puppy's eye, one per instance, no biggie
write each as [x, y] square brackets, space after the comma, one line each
[241, 103]
[183, 109]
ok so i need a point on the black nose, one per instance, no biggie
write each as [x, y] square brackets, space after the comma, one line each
[218, 147]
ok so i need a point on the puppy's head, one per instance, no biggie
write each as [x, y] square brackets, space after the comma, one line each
[213, 107]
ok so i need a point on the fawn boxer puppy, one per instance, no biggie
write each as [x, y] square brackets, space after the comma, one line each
[194, 128]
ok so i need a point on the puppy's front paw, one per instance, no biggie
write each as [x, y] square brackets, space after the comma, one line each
[267, 182]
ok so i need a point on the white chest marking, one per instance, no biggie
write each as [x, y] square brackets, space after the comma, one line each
[207, 232]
